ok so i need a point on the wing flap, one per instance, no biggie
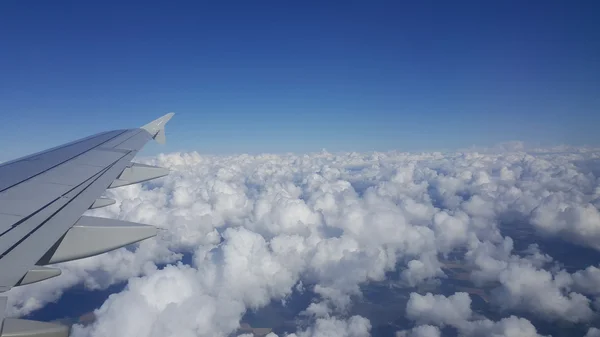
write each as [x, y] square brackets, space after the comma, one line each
[108, 234]
[102, 202]
[14, 327]
[137, 173]
[39, 274]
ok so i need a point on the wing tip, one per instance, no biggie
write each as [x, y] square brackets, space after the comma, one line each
[157, 127]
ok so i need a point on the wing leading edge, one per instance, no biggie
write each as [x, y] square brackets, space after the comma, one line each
[43, 197]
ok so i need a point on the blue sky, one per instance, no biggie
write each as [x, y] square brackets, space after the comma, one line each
[283, 76]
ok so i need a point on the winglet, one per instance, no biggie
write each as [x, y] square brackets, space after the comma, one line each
[157, 127]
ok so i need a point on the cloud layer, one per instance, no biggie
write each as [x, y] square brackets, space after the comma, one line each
[259, 228]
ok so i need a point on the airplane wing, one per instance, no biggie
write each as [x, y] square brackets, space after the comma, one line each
[42, 199]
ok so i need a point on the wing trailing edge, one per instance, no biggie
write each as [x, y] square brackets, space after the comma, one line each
[137, 173]
[15, 327]
[39, 274]
[107, 234]
[102, 202]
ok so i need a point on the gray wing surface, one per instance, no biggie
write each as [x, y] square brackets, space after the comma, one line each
[43, 197]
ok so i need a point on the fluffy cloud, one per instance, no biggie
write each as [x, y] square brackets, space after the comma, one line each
[587, 281]
[420, 331]
[593, 332]
[438, 309]
[95, 273]
[355, 326]
[507, 327]
[259, 226]
[456, 311]
[523, 284]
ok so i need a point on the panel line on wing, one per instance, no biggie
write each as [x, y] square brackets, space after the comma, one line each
[93, 178]
[110, 149]
[50, 168]
[56, 224]
[16, 224]
[5, 219]
[24, 237]
[29, 157]
[128, 138]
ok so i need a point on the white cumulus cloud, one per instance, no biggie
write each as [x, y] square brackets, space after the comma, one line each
[259, 228]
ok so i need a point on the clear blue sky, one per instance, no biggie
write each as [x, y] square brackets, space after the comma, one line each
[298, 76]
